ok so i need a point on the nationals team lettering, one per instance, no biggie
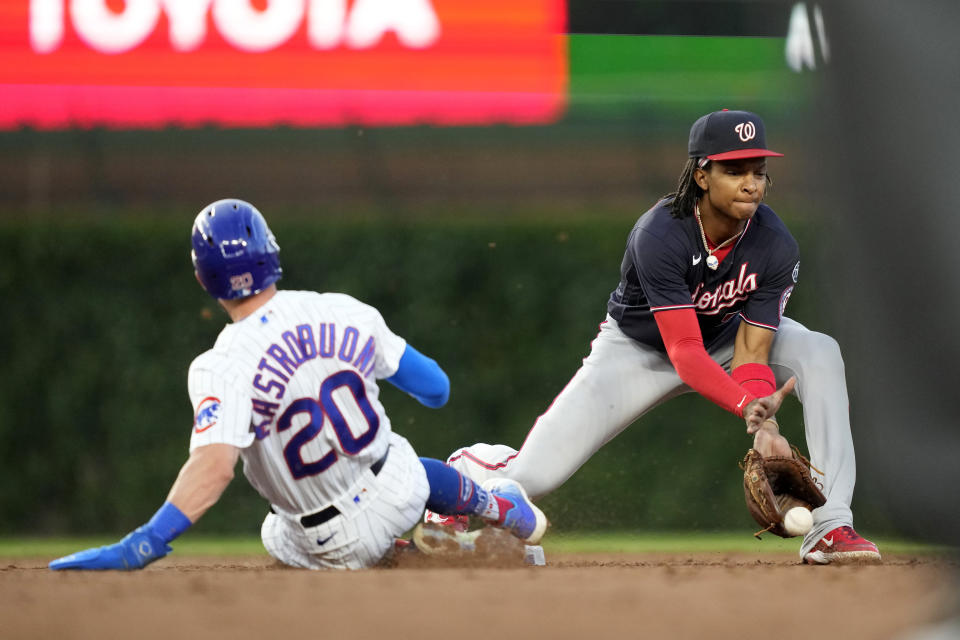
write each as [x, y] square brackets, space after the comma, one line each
[302, 344]
[727, 294]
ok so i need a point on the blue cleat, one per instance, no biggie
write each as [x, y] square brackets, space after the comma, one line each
[517, 513]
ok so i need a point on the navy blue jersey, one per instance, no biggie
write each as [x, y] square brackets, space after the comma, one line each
[665, 267]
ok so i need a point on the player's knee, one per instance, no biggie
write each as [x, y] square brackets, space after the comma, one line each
[821, 353]
[271, 536]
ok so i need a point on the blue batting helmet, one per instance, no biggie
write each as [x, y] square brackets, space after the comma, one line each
[234, 251]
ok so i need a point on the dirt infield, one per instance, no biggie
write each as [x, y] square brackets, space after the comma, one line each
[714, 595]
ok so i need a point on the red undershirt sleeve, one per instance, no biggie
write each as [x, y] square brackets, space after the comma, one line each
[756, 378]
[681, 336]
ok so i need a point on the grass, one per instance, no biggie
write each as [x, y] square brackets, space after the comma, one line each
[617, 542]
[684, 542]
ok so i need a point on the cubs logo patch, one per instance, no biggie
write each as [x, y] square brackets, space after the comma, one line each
[784, 299]
[208, 414]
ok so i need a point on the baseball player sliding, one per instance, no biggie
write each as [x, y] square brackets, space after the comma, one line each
[291, 387]
[704, 281]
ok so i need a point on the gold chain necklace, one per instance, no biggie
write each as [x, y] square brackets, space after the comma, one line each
[712, 261]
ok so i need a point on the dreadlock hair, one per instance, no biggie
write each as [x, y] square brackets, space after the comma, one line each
[689, 192]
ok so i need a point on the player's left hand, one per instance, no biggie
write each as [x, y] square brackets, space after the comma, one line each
[135, 551]
[764, 408]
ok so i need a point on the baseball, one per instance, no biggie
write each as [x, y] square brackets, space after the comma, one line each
[798, 521]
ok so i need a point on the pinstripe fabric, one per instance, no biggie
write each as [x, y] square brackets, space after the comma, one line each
[389, 504]
[294, 385]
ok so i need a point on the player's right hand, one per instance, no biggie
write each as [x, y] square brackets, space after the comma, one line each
[135, 551]
[761, 409]
[768, 442]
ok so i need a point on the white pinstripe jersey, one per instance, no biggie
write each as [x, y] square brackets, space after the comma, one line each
[294, 385]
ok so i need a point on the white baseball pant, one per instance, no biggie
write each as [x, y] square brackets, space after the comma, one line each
[373, 513]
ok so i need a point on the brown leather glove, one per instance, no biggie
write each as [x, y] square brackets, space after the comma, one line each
[772, 486]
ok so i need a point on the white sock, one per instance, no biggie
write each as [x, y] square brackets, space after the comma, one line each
[487, 506]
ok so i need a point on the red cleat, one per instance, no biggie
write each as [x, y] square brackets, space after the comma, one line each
[843, 545]
[457, 523]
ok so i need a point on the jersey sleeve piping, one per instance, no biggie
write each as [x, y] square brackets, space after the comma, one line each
[758, 324]
[675, 306]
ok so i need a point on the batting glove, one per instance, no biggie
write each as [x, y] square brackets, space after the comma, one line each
[135, 551]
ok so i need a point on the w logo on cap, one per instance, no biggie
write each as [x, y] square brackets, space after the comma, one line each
[728, 135]
[746, 130]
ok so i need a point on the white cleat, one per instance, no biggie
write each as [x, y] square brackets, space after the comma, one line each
[443, 540]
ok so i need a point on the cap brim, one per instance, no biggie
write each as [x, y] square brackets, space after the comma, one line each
[740, 154]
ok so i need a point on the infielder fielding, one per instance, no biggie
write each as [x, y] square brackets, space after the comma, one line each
[291, 387]
[704, 281]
